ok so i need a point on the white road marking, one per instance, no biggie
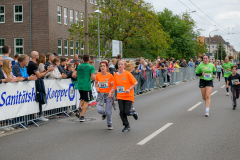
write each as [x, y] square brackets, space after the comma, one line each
[154, 134]
[192, 108]
[223, 86]
[214, 93]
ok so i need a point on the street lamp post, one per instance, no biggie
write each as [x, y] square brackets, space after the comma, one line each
[99, 12]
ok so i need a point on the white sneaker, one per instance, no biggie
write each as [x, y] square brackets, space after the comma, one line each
[11, 128]
[206, 114]
[227, 94]
[1, 132]
[44, 119]
[6, 129]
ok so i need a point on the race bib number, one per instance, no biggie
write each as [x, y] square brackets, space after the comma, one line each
[227, 71]
[120, 89]
[235, 81]
[208, 75]
[103, 84]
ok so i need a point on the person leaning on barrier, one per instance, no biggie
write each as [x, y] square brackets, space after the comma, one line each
[32, 66]
[56, 73]
[51, 57]
[62, 68]
[7, 70]
[2, 78]
[41, 63]
[20, 70]
[33, 70]
[76, 61]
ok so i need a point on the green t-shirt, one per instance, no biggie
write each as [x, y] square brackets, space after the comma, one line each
[208, 69]
[225, 66]
[84, 72]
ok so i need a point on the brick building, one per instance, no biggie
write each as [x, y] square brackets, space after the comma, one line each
[41, 25]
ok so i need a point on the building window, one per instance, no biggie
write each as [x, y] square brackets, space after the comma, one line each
[76, 16]
[71, 17]
[71, 48]
[2, 14]
[91, 1]
[82, 48]
[77, 47]
[18, 13]
[66, 47]
[82, 21]
[18, 45]
[59, 14]
[59, 47]
[2, 43]
[65, 16]
[95, 2]
[212, 46]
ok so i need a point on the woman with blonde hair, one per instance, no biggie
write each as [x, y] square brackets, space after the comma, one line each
[7, 71]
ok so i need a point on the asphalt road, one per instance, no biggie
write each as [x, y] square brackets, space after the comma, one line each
[179, 134]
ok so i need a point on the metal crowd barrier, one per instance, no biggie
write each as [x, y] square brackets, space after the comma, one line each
[147, 82]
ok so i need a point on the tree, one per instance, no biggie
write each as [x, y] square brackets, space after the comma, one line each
[220, 52]
[181, 31]
[201, 48]
[135, 24]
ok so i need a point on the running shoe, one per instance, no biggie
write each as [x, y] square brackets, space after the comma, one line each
[82, 119]
[207, 114]
[42, 118]
[79, 110]
[135, 116]
[103, 117]
[227, 94]
[234, 107]
[126, 128]
[110, 127]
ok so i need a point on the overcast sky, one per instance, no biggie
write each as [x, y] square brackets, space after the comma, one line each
[225, 14]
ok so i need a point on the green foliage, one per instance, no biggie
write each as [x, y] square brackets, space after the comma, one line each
[136, 25]
[220, 52]
[181, 31]
[201, 47]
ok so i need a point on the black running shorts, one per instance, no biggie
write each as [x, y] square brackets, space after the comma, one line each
[203, 83]
[85, 95]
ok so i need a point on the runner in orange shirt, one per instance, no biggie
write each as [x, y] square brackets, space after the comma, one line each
[124, 83]
[104, 83]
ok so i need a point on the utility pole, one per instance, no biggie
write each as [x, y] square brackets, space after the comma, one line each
[86, 47]
[221, 50]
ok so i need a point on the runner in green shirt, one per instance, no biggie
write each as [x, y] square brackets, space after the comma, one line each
[85, 73]
[227, 71]
[206, 72]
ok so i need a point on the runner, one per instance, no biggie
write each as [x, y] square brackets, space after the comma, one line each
[227, 71]
[219, 69]
[104, 84]
[206, 72]
[124, 83]
[85, 73]
[234, 81]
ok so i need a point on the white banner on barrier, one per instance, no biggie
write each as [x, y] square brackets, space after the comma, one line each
[18, 99]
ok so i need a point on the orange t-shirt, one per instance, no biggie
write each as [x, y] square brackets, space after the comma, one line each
[104, 82]
[123, 82]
